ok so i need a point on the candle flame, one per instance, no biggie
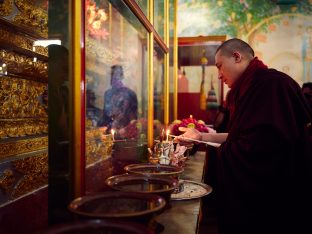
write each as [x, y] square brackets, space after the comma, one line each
[167, 133]
[113, 133]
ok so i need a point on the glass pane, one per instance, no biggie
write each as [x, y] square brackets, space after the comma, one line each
[159, 17]
[143, 5]
[116, 82]
[171, 68]
[158, 62]
[60, 107]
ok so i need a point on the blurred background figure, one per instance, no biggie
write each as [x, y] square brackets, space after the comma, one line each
[307, 91]
[120, 102]
[93, 112]
[183, 86]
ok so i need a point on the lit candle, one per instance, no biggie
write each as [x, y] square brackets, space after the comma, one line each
[167, 138]
[191, 116]
[113, 133]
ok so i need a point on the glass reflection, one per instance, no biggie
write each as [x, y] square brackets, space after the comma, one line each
[158, 88]
[159, 16]
[143, 5]
[120, 102]
[116, 78]
[171, 55]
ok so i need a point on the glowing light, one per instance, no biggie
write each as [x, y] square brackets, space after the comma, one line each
[167, 135]
[113, 134]
[45, 43]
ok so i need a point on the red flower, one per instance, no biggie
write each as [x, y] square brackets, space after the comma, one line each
[188, 123]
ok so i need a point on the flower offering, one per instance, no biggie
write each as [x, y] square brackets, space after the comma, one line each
[188, 123]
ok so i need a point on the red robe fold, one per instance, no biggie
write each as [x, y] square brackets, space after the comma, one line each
[264, 173]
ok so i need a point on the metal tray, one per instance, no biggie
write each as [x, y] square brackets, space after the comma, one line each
[191, 190]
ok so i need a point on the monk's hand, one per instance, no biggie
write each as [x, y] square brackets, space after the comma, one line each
[189, 134]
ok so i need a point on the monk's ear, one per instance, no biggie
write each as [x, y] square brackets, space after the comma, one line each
[237, 56]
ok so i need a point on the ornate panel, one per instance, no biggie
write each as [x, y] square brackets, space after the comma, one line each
[22, 127]
[23, 98]
[6, 8]
[23, 176]
[20, 147]
[19, 41]
[98, 147]
[27, 13]
[19, 98]
[99, 53]
[18, 64]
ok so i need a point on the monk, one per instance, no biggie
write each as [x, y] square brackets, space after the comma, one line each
[264, 172]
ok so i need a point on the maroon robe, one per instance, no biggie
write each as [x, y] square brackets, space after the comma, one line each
[264, 173]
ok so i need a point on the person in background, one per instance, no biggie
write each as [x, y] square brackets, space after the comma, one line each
[307, 91]
[120, 102]
[264, 166]
[222, 117]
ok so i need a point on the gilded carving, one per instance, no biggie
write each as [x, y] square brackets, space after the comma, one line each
[19, 98]
[32, 16]
[23, 127]
[23, 98]
[98, 147]
[6, 7]
[41, 50]
[35, 171]
[94, 66]
[96, 51]
[7, 180]
[20, 41]
[23, 65]
[13, 148]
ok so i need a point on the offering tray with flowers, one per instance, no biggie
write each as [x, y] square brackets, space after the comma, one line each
[191, 122]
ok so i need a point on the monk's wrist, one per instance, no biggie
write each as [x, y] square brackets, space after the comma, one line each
[200, 136]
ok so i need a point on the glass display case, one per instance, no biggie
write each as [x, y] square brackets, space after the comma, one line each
[118, 75]
[116, 83]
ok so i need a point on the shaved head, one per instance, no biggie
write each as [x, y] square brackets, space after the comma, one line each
[232, 58]
[230, 46]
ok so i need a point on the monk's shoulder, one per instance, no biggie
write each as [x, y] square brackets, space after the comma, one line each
[274, 77]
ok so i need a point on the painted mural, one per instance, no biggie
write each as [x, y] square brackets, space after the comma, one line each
[291, 37]
[264, 24]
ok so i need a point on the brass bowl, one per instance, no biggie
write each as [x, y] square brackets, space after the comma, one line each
[99, 226]
[161, 186]
[149, 169]
[135, 207]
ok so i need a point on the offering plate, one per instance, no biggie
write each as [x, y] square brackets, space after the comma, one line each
[149, 169]
[190, 190]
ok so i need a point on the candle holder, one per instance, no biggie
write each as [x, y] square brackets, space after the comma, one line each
[162, 152]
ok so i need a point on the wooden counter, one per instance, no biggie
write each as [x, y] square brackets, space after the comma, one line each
[184, 216]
